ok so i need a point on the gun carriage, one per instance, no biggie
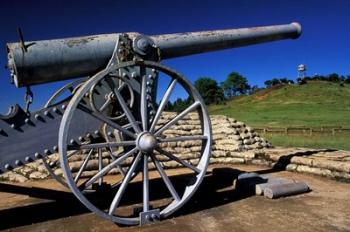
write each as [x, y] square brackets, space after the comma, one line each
[115, 110]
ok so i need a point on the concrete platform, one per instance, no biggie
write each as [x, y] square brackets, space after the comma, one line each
[46, 206]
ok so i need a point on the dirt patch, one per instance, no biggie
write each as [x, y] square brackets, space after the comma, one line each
[215, 207]
[264, 93]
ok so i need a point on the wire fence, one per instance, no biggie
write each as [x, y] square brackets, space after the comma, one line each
[303, 130]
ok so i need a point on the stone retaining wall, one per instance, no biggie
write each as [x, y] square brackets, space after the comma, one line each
[234, 143]
[324, 162]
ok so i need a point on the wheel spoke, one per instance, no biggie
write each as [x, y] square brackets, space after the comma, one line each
[121, 170]
[122, 187]
[106, 120]
[116, 185]
[127, 112]
[177, 118]
[129, 125]
[103, 145]
[145, 177]
[106, 169]
[55, 163]
[144, 103]
[100, 165]
[177, 159]
[83, 165]
[166, 179]
[108, 101]
[162, 104]
[104, 106]
[121, 87]
[183, 138]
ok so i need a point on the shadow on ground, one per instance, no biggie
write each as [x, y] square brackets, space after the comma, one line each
[216, 189]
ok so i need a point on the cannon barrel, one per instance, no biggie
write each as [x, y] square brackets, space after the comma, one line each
[54, 60]
[182, 44]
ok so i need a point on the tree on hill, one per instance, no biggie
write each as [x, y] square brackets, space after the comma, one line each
[276, 81]
[178, 105]
[319, 77]
[268, 83]
[209, 90]
[302, 81]
[235, 84]
[254, 89]
[347, 79]
[334, 77]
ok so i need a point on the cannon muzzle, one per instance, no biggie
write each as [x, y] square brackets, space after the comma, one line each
[60, 59]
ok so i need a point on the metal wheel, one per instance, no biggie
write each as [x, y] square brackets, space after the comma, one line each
[52, 163]
[142, 148]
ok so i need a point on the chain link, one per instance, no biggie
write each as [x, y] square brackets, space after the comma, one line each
[28, 98]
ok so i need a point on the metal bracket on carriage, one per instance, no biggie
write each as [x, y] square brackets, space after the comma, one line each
[150, 216]
[137, 47]
[134, 46]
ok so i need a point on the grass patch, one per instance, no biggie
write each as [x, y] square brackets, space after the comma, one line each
[315, 104]
[338, 142]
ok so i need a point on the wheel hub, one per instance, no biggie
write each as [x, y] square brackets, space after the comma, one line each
[146, 142]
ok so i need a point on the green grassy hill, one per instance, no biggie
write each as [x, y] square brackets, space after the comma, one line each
[314, 104]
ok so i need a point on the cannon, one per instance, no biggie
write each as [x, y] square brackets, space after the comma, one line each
[113, 115]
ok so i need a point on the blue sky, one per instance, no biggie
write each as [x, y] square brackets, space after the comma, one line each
[324, 45]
